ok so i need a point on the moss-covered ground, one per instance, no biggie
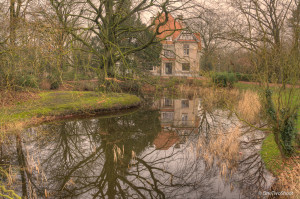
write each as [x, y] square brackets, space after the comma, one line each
[57, 104]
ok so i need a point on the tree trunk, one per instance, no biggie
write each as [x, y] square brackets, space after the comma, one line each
[13, 22]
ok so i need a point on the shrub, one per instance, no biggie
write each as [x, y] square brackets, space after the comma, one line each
[174, 81]
[54, 81]
[130, 86]
[114, 85]
[86, 85]
[54, 85]
[45, 84]
[224, 79]
[27, 80]
[76, 75]
[197, 82]
[244, 77]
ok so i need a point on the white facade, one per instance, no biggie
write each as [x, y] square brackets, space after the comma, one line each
[180, 57]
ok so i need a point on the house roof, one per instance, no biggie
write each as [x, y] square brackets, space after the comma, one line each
[197, 35]
[174, 29]
[165, 140]
[171, 28]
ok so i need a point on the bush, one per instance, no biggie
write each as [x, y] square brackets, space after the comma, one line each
[244, 77]
[27, 80]
[130, 86]
[54, 85]
[224, 79]
[196, 82]
[79, 75]
[173, 81]
[114, 85]
[85, 85]
[54, 81]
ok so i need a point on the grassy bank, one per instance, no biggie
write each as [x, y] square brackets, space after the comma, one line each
[52, 105]
[271, 155]
[287, 171]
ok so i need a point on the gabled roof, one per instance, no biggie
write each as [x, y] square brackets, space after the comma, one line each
[171, 28]
[165, 140]
[174, 29]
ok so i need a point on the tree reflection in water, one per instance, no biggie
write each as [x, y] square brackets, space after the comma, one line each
[114, 157]
[252, 176]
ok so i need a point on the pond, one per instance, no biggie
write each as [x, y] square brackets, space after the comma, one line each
[157, 151]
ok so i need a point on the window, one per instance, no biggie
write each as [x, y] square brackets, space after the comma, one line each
[167, 116]
[168, 54]
[184, 118]
[169, 50]
[184, 103]
[186, 49]
[186, 67]
[168, 68]
[168, 102]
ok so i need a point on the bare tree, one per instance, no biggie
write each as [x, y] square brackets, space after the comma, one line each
[295, 25]
[109, 22]
[207, 21]
[263, 21]
[262, 30]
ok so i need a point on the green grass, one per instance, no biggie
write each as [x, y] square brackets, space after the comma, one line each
[270, 152]
[244, 86]
[61, 103]
[294, 101]
[271, 155]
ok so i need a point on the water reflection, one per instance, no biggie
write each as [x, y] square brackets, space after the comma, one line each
[147, 154]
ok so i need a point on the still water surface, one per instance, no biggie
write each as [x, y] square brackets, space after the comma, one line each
[146, 153]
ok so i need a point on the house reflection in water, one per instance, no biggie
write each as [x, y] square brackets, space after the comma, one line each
[178, 119]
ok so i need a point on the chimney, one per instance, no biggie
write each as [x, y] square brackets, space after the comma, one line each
[180, 20]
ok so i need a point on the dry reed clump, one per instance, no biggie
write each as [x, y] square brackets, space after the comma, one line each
[45, 84]
[222, 148]
[249, 106]
[208, 98]
[289, 181]
[118, 153]
[219, 97]
[187, 89]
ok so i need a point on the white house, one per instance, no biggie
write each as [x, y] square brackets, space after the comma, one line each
[181, 50]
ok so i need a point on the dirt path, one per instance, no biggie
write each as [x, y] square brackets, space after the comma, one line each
[271, 84]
